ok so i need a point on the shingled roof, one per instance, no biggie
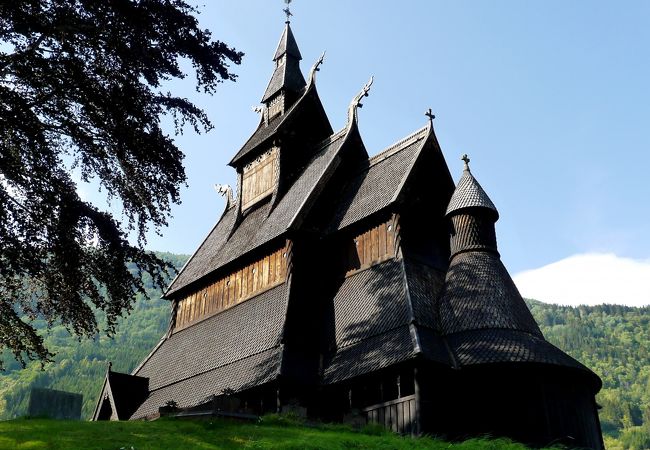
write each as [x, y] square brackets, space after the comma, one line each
[383, 316]
[376, 185]
[287, 74]
[123, 392]
[482, 314]
[287, 45]
[469, 194]
[233, 349]
[261, 225]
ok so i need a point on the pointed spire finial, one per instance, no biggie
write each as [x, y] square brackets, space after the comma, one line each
[287, 11]
[465, 159]
[110, 366]
[430, 115]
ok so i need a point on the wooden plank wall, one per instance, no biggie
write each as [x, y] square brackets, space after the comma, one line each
[371, 247]
[232, 289]
[258, 179]
[397, 415]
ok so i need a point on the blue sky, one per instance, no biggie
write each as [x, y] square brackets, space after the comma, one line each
[551, 100]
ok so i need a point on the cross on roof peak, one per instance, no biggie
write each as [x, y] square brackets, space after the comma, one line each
[430, 115]
[287, 11]
[465, 159]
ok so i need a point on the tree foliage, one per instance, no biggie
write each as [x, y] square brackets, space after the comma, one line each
[81, 88]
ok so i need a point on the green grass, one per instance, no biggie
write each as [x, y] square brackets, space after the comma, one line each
[215, 434]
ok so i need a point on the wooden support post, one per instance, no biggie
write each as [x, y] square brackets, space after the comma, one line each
[399, 388]
[418, 403]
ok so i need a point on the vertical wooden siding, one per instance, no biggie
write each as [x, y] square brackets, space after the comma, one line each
[258, 179]
[232, 289]
[371, 247]
[397, 415]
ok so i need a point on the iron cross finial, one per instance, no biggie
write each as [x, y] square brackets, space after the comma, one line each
[465, 159]
[287, 11]
[430, 115]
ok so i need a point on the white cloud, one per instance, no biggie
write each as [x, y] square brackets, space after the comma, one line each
[589, 279]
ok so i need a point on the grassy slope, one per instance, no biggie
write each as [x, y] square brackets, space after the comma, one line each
[216, 434]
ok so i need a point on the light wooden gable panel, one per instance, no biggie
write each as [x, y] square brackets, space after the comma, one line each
[234, 288]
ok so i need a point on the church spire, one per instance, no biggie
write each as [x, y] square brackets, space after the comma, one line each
[287, 79]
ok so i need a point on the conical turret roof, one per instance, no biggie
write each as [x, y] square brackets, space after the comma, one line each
[469, 194]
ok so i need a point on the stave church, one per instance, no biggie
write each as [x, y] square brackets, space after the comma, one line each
[345, 287]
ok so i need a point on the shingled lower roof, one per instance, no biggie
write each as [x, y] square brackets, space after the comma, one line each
[479, 294]
[253, 371]
[370, 323]
[377, 185]
[258, 227]
[376, 352]
[227, 339]
[504, 346]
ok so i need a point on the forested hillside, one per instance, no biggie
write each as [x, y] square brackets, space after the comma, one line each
[80, 366]
[613, 340]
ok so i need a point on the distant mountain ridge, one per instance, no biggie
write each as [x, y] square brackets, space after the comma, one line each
[612, 340]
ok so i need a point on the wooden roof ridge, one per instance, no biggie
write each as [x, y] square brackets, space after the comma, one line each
[101, 396]
[397, 146]
[415, 338]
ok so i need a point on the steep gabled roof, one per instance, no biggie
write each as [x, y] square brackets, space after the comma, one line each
[261, 225]
[265, 131]
[377, 184]
[242, 342]
[287, 77]
[123, 392]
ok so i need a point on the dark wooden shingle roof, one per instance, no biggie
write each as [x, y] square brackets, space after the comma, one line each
[479, 294]
[258, 227]
[285, 76]
[469, 194]
[218, 345]
[376, 185]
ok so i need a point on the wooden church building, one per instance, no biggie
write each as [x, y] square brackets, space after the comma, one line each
[349, 287]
